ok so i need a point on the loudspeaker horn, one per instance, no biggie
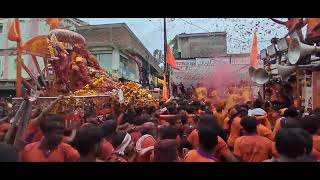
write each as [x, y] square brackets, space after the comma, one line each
[285, 71]
[252, 70]
[260, 76]
[297, 51]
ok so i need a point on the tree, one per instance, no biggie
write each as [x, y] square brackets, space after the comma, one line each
[158, 54]
[174, 44]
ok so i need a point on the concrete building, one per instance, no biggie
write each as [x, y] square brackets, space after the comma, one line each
[29, 28]
[201, 44]
[197, 54]
[120, 51]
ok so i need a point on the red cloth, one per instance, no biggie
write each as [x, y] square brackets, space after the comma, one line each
[63, 153]
[170, 58]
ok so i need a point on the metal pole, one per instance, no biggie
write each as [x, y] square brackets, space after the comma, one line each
[166, 67]
[165, 45]
[19, 60]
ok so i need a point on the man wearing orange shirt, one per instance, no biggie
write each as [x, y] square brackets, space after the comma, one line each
[33, 131]
[50, 148]
[235, 126]
[289, 119]
[259, 113]
[293, 145]
[232, 112]
[251, 147]
[222, 151]
[231, 99]
[207, 143]
[220, 115]
[201, 92]
[87, 142]
[237, 130]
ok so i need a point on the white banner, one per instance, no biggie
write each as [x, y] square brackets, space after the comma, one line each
[193, 71]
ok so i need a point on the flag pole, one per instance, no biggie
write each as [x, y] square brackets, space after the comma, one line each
[19, 60]
[166, 67]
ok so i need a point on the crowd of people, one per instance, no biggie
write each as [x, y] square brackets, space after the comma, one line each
[179, 130]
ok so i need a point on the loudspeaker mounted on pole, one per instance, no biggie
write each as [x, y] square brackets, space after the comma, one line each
[259, 76]
[286, 71]
[298, 51]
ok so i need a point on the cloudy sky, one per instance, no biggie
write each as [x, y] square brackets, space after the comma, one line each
[239, 30]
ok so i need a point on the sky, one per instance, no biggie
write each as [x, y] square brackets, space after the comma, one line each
[240, 31]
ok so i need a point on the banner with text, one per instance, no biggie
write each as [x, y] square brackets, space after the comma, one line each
[193, 71]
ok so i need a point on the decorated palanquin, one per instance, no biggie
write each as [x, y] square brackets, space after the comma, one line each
[70, 69]
[135, 94]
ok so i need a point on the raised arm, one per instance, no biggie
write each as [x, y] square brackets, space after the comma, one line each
[297, 26]
[48, 109]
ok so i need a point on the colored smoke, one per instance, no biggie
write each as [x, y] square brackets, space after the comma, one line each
[221, 76]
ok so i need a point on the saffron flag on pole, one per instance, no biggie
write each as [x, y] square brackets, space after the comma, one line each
[14, 31]
[254, 51]
[170, 58]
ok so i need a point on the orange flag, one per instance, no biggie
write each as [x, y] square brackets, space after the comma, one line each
[53, 22]
[165, 94]
[254, 51]
[170, 57]
[14, 31]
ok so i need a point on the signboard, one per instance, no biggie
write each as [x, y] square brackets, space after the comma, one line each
[196, 70]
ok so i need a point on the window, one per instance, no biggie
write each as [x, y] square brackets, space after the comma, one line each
[1, 28]
[129, 69]
[105, 60]
[124, 67]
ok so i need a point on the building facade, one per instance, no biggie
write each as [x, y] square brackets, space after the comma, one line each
[200, 56]
[201, 44]
[120, 52]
